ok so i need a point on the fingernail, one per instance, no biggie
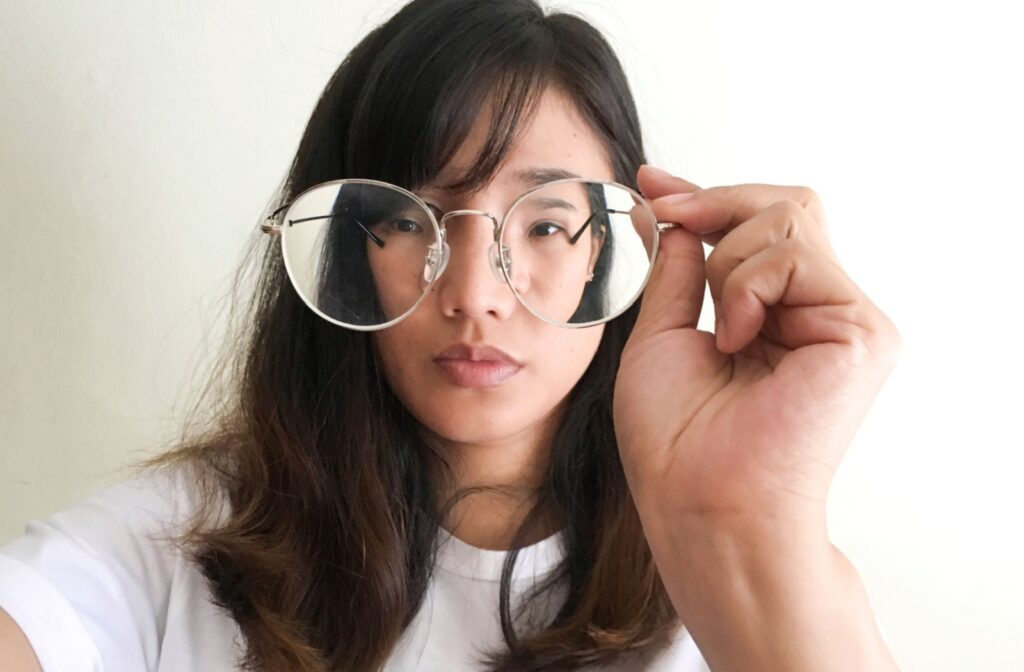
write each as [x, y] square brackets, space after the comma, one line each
[676, 199]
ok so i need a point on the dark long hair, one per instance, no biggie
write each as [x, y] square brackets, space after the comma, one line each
[328, 545]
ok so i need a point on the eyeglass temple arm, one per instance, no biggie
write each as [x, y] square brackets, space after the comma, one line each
[576, 236]
[274, 228]
[271, 226]
[661, 225]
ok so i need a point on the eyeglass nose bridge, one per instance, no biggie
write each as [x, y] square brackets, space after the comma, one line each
[493, 257]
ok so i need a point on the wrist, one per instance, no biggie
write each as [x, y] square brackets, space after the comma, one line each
[759, 522]
[763, 591]
[776, 547]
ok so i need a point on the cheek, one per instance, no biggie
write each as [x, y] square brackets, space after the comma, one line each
[566, 354]
[399, 351]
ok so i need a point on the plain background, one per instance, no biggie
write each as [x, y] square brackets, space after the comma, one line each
[140, 141]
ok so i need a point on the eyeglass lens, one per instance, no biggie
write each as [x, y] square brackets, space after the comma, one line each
[364, 254]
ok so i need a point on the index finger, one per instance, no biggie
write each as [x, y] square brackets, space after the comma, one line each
[714, 212]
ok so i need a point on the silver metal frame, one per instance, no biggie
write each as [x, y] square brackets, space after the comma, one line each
[275, 227]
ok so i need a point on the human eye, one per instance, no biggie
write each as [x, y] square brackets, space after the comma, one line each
[544, 229]
[405, 225]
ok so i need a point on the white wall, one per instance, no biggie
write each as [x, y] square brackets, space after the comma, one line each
[139, 141]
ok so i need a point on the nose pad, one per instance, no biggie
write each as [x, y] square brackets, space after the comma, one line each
[496, 261]
[436, 257]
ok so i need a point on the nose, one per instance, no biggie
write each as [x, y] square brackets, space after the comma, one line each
[471, 284]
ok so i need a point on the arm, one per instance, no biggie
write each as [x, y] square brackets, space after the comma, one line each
[87, 586]
[730, 440]
[767, 595]
[14, 647]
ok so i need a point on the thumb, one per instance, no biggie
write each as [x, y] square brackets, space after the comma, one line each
[675, 290]
[655, 182]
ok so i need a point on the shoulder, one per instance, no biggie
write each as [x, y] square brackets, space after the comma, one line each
[97, 576]
[124, 523]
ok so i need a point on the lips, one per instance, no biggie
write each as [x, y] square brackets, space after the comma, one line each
[468, 365]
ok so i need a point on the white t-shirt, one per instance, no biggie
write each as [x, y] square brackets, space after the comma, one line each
[92, 591]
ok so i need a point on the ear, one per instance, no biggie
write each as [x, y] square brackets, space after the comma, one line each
[596, 247]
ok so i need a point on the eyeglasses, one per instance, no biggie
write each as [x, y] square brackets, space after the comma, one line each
[364, 254]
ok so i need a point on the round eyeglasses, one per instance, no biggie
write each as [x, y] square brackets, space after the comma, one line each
[364, 254]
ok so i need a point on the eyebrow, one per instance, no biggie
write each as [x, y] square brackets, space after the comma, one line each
[531, 177]
[550, 202]
[534, 177]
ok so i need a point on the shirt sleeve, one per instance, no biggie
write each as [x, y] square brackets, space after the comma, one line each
[89, 585]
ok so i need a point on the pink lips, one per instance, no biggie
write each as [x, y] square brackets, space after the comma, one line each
[476, 365]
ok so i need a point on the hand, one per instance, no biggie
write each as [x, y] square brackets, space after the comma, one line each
[754, 419]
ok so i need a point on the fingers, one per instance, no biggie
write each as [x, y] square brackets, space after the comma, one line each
[714, 212]
[778, 222]
[674, 294]
[675, 291]
[814, 300]
[640, 217]
[771, 250]
[655, 183]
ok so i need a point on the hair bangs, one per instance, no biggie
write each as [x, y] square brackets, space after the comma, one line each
[403, 132]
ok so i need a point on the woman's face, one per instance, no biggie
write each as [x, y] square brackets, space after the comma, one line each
[439, 359]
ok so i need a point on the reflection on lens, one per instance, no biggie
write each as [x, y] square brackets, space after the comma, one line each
[579, 252]
[360, 253]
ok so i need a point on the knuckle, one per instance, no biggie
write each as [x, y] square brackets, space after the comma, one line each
[792, 214]
[890, 341]
[813, 205]
[801, 222]
[879, 338]
[808, 197]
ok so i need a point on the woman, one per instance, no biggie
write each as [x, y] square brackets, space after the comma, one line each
[468, 447]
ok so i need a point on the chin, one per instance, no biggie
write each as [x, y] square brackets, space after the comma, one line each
[476, 424]
[472, 430]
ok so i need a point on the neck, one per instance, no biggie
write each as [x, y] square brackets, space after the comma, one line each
[502, 480]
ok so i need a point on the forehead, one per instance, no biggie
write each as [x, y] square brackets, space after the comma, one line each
[554, 143]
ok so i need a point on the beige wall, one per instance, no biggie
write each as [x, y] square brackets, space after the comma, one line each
[139, 141]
